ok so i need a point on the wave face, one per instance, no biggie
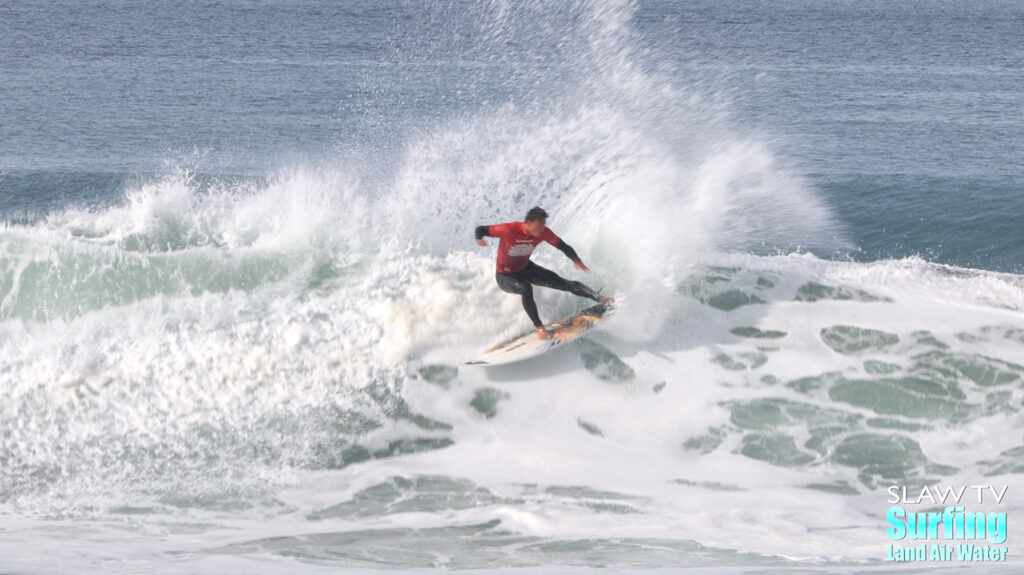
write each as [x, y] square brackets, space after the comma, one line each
[261, 369]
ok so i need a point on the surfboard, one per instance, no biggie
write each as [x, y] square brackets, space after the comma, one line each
[530, 345]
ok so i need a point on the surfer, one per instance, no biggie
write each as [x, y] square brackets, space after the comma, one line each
[517, 274]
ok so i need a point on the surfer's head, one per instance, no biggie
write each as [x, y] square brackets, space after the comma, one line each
[535, 220]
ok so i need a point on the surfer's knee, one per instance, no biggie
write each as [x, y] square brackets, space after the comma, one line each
[526, 292]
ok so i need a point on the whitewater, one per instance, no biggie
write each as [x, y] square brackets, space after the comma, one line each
[263, 373]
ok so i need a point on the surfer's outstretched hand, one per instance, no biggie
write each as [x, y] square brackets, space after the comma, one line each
[582, 266]
[482, 242]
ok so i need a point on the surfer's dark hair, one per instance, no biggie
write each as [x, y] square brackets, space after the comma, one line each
[536, 213]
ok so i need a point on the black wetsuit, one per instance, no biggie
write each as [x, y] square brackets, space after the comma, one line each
[522, 281]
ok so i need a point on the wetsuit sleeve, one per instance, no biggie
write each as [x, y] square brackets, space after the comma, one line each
[568, 251]
[482, 231]
[550, 237]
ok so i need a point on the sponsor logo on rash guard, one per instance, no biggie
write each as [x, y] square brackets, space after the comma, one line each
[519, 250]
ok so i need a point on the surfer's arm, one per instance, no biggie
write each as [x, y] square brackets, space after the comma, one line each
[480, 232]
[571, 254]
[568, 251]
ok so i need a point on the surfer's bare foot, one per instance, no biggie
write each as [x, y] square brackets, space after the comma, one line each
[543, 333]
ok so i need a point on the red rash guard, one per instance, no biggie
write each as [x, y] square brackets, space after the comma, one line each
[516, 245]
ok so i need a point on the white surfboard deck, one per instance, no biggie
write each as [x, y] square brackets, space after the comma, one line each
[530, 345]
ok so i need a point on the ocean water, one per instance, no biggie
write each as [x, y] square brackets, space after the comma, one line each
[238, 282]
